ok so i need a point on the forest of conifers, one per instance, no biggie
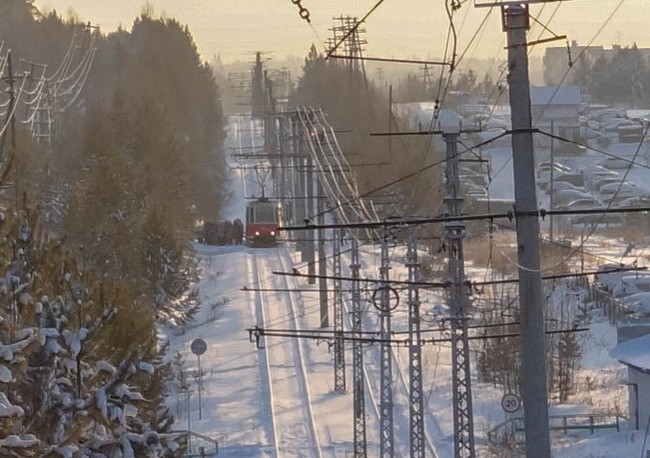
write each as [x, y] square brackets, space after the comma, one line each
[95, 226]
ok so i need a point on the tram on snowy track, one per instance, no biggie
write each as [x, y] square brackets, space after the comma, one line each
[263, 216]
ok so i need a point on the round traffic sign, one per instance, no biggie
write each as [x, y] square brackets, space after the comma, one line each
[510, 403]
[378, 303]
[198, 346]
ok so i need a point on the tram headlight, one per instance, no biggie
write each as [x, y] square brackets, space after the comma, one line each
[272, 232]
[257, 233]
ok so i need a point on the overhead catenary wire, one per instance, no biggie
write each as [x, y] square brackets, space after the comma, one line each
[409, 175]
[606, 210]
[354, 28]
[261, 332]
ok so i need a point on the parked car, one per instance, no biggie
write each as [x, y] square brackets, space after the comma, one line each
[615, 163]
[592, 171]
[585, 202]
[563, 196]
[557, 167]
[606, 219]
[599, 183]
[621, 190]
[564, 186]
[574, 178]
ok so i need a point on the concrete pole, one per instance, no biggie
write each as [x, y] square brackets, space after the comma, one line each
[322, 260]
[298, 185]
[533, 369]
[310, 255]
[551, 184]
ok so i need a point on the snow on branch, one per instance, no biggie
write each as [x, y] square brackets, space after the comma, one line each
[7, 410]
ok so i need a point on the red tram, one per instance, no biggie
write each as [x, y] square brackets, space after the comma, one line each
[263, 217]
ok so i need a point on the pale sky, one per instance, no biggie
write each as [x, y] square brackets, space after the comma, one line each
[399, 28]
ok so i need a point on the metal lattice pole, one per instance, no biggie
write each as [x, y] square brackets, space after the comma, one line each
[460, 364]
[359, 394]
[339, 343]
[415, 349]
[386, 440]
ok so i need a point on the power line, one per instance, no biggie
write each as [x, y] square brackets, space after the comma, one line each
[403, 222]
[353, 29]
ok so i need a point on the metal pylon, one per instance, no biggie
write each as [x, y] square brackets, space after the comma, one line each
[339, 343]
[415, 349]
[386, 439]
[359, 399]
[460, 362]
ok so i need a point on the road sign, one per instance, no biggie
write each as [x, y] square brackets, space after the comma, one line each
[198, 347]
[510, 403]
[377, 301]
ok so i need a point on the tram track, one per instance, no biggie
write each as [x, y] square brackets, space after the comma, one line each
[294, 429]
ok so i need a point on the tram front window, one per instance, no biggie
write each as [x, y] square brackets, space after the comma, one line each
[265, 214]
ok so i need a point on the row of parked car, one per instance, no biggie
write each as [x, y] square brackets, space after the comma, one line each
[596, 185]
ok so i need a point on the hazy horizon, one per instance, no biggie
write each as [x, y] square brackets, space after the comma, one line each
[417, 30]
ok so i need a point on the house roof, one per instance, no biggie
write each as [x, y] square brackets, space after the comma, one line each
[448, 120]
[634, 352]
[562, 95]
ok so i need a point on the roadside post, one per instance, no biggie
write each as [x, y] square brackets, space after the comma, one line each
[199, 347]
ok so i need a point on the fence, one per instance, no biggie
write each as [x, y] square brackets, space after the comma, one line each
[612, 306]
[199, 445]
[513, 430]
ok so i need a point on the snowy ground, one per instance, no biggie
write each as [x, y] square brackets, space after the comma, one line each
[280, 400]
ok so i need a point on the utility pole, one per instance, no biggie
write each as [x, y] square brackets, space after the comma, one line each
[298, 212]
[386, 439]
[12, 104]
[416, 405]
[257, 85]
[310, 252]
[461, 377]
[271, 149]
[551, 182]
[390, 120]
[283, 189]
[339, 343]
[359, 393]
[533, 367]
[322, 260]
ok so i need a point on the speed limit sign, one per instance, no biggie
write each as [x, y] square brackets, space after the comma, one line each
[510, 403]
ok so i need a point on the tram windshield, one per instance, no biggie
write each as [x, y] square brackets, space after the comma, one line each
[264, 213]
